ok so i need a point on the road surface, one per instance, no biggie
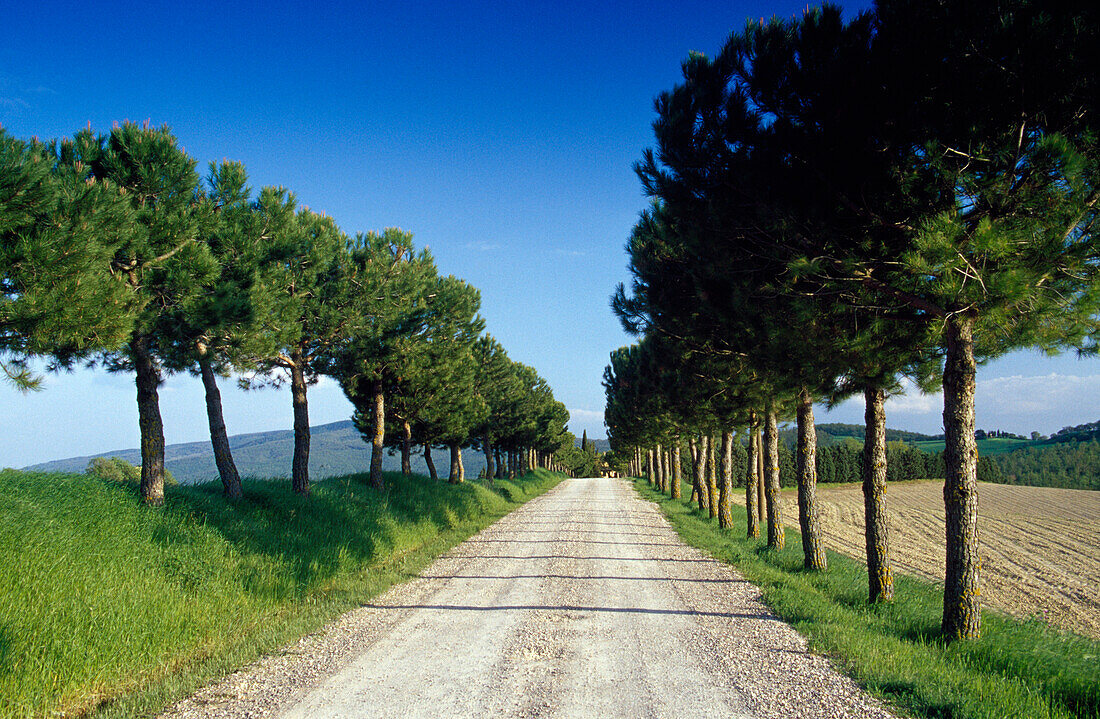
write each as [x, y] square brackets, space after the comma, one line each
[581, 603]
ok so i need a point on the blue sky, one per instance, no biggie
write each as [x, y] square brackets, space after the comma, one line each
[501, 134]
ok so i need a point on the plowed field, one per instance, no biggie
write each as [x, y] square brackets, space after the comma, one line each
[1040, 547]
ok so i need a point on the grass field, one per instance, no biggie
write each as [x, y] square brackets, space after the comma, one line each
[1017, 669]
[113, 607]
[986, 447]
[1040, 547]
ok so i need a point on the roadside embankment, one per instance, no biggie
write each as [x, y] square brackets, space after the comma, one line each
[107, 604]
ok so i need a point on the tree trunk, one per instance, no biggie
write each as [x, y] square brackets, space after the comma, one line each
[223, 457]
[712, 478]
[649, 466]
[300, 464]
[702, 495]
[771, 480]
[461, 467]
[725, 488]
[761, 502]
[677, 472]
[880, 575]
[813, 553]
[149, 422]
[406, 448]
[490, 464]
[378, 435]
[454, 477]
[752, 479]
[660, 460]
[961, 592]
[430, 462]
[693, 445]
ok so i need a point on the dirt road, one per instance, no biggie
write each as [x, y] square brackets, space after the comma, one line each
[582, 603]
[1039, 546]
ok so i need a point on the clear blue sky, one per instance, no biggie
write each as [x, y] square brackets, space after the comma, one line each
[501, 134]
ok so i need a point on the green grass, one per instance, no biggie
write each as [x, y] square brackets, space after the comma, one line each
[1017, 669]
[986, 447]
[110, 607]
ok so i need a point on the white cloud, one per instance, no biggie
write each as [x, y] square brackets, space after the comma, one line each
[913, 401]
[1021, 396]
[585, 414]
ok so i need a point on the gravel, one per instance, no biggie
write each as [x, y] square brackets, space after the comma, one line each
[582, 603]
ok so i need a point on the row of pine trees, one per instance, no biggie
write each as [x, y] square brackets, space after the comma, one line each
[114, 251]
[838, 203]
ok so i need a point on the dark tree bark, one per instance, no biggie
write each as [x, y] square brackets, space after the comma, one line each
[880, 575]
[813, 552]
[149, 422]
[219, 440]
[725, 487]
[677, 471]
[961, 591]
[712, 478]
[456, 464]
[430, 462]
[490, 465]
[300, 463]
[378, 435]
[771, 480]
[752, 479]
[406, 448]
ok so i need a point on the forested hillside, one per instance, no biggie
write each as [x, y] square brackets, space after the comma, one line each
[335, 449]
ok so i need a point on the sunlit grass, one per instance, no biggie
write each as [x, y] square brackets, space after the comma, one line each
[1017, 669]
[106, 604]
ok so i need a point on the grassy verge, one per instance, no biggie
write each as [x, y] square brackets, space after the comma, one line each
[1017, 669]
[110, 607]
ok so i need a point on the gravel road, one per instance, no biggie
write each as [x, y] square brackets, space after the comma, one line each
[582, 603]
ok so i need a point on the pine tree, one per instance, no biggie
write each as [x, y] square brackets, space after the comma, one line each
[162, 259]
[58, 236]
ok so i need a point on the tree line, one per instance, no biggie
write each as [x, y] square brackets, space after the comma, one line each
[115, 252]
[840, 203]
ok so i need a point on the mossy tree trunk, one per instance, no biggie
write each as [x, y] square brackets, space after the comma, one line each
[813, 552]
[761, 503]
[219, 440]
[149, 422]
[378, 434]
[771, 480]
[725, 485]
[455, 475]
[880, 576]
[700, 471]
[752, 480]
[961, 591]
[712, 477]
[677, 477]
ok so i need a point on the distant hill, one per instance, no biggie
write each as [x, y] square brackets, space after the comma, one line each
[335, 449]
[601, 445]
[832, 433]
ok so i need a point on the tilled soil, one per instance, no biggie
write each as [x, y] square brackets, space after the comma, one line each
[1040, 547]
[582, 603]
